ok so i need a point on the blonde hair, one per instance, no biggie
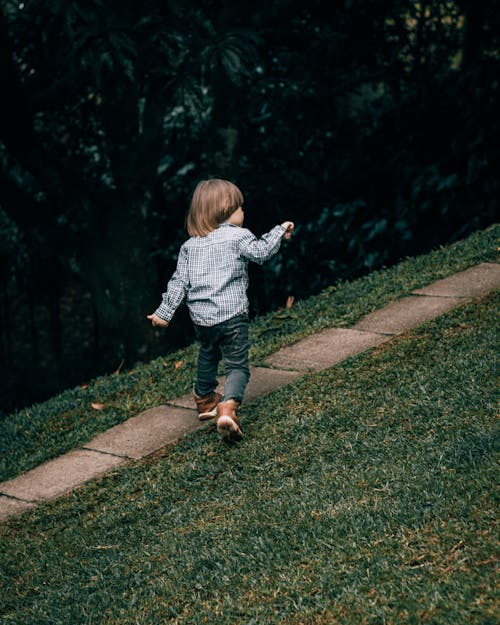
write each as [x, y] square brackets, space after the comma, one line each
[213, 202]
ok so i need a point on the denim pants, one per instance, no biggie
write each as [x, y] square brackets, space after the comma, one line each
[226, 341]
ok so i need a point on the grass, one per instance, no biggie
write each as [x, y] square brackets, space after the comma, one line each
[365, 494]
[47, 430]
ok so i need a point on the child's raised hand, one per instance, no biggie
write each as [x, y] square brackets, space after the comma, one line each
[157, 321]
[289, 227]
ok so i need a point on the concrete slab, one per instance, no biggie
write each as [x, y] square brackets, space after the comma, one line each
[10, 507]
[262, 381]
[469, 283]
[406, 313]
[146, 432]
[324, 349]
[59, 476]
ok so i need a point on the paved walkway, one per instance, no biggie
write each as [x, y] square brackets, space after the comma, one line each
[152, 430]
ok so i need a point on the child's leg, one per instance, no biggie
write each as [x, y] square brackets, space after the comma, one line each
[208, 361]
[234, 346]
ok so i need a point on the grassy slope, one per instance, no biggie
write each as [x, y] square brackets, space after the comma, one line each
[31, 436]
[362, 494]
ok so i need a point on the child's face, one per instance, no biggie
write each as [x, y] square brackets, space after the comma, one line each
[237, 217]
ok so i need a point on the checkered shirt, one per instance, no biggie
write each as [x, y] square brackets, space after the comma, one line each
[212, 273]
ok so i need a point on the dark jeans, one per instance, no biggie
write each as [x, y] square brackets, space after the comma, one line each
[226, 341]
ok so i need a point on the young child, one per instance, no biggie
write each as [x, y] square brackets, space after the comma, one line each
[212, 274]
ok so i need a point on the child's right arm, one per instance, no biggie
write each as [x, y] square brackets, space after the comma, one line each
[260, 250]
[289, 227]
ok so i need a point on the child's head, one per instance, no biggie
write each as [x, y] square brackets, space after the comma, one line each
[213, 202]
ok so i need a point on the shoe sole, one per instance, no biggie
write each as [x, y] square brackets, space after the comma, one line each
[229, 429]
[204, 416]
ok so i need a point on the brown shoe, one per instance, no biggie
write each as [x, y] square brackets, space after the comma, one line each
[207, 406]
[228, 424]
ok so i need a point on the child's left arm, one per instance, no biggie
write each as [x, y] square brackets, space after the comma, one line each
[157, 321]
[176, 291]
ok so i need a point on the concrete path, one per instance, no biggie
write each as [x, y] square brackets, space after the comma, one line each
[156, 428]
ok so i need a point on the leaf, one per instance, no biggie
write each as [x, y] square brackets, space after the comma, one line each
[179, 364]
[285, 313]
[97, 406]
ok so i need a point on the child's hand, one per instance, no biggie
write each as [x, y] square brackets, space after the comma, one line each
[289, 226]
[157, 321]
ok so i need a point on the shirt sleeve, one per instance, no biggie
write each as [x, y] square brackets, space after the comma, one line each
[177, 288]
[260, 250]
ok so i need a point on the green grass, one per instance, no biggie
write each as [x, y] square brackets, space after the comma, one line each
[44, 431]
[362, 494]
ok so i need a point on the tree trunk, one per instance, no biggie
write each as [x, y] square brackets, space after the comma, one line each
[56, 327]
[475, 15]
[35, 350]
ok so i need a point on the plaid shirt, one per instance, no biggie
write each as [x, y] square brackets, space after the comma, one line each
[212, 273]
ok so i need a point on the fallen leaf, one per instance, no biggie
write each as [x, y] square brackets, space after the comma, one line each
[179, 364]
[286, 313]
[97, 406]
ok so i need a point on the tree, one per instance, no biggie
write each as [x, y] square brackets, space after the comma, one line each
[364, 122]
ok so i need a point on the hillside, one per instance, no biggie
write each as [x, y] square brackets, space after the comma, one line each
[34, 435]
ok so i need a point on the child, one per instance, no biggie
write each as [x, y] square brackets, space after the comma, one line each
[212, 273]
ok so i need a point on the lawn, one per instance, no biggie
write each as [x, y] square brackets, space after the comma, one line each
[362, 494]
[44, 431]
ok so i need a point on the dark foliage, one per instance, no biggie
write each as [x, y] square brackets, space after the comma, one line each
[373, 125]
